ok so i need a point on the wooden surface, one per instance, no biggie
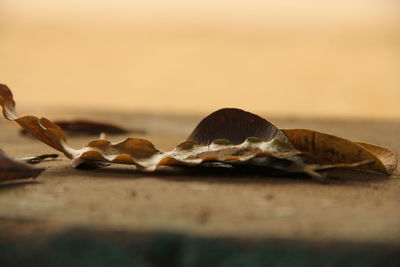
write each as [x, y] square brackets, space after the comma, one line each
[204, 203]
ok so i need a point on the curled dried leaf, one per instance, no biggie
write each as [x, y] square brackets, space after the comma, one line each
[39, 159]
[231, 136]
[236, 126]
[11, 169]
[330, 150]
[88, 127]
[386, 157]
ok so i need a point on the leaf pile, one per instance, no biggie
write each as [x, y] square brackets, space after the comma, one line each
[230, 136]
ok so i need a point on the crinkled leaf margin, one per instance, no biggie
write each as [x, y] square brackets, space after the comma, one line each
[228, 135]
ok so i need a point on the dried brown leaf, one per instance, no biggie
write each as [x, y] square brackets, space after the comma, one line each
[39, 159]
[231, 136]
[330, 149]
[89, 127]
[11, 169]
[236, 126]
[384, 155]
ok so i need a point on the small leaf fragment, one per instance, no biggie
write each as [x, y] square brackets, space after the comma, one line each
[7, 103]
[39, 159]
[11, 169]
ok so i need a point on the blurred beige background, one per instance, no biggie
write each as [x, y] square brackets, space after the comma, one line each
[284, 58]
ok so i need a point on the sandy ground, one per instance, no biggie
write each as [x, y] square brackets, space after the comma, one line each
[200, 202]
